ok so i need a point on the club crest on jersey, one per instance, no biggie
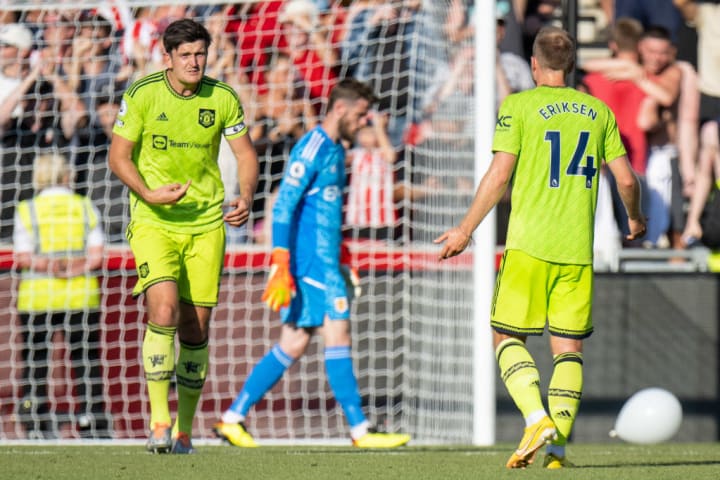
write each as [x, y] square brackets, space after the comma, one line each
[206, 117]
[341, 304]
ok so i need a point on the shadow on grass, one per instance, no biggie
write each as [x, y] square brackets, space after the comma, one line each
[684, 463]
[464, 450]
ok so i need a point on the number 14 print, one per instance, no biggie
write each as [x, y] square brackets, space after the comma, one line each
[588, 170]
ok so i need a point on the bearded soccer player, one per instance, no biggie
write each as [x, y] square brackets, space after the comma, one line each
[550, 140]
[306, 280]
[164, 148]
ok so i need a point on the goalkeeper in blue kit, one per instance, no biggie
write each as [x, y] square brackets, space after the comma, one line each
[306, 279]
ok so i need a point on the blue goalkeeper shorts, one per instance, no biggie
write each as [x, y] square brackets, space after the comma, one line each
[316, 300]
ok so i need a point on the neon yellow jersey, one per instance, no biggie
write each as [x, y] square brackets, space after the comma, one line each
[560, 137]
[177, 139]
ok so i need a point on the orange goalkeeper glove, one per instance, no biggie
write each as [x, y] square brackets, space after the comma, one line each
[280, 288]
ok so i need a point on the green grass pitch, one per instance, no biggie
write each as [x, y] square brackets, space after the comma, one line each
[672, 461]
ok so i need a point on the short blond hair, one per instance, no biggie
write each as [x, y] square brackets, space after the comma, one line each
[50, 170]
[554, 49]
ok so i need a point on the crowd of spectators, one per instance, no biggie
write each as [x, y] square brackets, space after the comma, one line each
[653, 80]
[62, 73]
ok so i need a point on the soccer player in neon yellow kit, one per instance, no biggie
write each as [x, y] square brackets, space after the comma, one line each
[550, 140]
[164, 148]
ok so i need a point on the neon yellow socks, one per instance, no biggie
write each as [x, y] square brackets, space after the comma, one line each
[158, 351]
[564, 393]
[191, 370]
[521, 376]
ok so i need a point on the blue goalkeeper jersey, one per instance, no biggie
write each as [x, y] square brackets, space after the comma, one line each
[307, 216]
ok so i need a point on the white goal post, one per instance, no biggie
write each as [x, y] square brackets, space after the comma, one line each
[420, 332]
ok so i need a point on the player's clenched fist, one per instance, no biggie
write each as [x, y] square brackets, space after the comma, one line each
[280, 288]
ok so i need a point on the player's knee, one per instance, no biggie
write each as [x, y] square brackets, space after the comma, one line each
[336, 333]
[560, 345]
[294, 346]
[164, 315]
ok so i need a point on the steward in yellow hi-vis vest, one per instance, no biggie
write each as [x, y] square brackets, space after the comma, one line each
[58, 244]
[58, 222]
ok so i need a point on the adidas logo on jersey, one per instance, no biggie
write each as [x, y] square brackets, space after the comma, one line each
[162, 117]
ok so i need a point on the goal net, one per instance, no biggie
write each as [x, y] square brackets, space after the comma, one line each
[412, 325]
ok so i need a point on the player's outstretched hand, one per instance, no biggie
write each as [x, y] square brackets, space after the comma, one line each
[280, 288]
[456, 240]
[238, 214]
[168, 194]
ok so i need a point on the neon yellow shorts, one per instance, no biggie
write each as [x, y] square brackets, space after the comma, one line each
[530, 293]
[193, 261]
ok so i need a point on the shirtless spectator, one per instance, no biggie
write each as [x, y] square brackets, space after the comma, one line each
[705, 17]
[659, 78]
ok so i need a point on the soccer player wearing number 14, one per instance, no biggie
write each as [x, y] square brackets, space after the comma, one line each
[551, 141]
[306, 280]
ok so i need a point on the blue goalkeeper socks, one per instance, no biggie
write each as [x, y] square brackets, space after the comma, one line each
[339, 369]
[262, 378]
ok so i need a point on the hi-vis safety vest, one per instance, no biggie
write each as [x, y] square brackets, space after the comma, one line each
[60, 225]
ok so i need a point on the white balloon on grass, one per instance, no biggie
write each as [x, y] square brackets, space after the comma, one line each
[652, 415]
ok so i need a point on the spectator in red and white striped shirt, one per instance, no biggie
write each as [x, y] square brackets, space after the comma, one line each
[370, 208]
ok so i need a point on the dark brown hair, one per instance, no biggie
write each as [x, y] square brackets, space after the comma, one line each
[184, 31]
[352, 90]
